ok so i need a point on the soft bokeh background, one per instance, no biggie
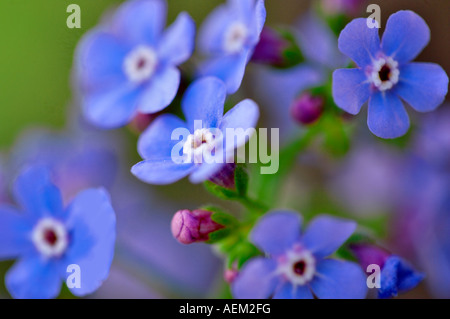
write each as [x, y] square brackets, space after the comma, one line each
[36, 54]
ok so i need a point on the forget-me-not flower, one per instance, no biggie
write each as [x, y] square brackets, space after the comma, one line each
[297, 265]
[228, 37]
[203, 103]
[129, 65]
[385, 73]
[46, 238]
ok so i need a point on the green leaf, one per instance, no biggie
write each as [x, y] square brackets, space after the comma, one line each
[241, 180]
[220, 192]
[219, 235]
[224, 219]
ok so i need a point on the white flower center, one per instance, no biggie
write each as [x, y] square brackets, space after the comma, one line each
[385, 73]
[50, 237]
[235, 37]
[299, 267]
[197, 145]
[140, 64]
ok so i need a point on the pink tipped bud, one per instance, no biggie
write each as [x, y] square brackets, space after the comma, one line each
[225, 177]
[368, 254]
[307, 108]
[270, 48]
[190, 227]
[230, 275]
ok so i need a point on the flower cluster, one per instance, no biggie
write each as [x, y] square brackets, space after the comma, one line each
[75, 207]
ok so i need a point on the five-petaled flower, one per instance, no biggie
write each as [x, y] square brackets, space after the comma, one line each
[228, 37]
[203, 104]
[385, 73]
[129, 65]
[47, 238]
[297, 265]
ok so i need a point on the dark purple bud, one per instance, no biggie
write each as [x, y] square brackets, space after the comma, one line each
[193, 226]
[270, 48]
[307, 109]
[368, 254]
[225, 177]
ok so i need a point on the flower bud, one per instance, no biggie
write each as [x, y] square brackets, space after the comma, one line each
[349, 7]
[307, 108]
[225, 177]
[193, 226]
[230, 274]
[368, 254]
[270, 48]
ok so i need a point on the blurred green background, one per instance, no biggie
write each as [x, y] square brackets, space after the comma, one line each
[36, 49]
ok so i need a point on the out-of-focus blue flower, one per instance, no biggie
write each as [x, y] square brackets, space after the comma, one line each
[298, 265]
[385, 73]
[228, 37]
[47, 238]
[203, 103]
[396, 275]
[129, 65]
[277, 89]
[83, 157]
[367, 182]
[421, 229]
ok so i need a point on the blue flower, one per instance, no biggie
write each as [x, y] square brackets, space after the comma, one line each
[385, 73]
[228, 37]
[297, 265]
[129, 65]
[205, 130]
[47, 238]
[397, 276]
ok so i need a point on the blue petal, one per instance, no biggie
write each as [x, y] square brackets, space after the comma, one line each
[160, 91]
[256, 280]
[422, 85]
[162, 171]
[111, 108]
[397, 276]
[406, 35]
[277, 232]
[155, 142]
[37, 195]
[337, 279]
[289, 291]
[326, 234]
[351, 89]
[140, 21]
[100, 57]
[33, 278]
[177, 43]
[212, 32]
[387, 118]
[92, 223]
[359, 42]
[260, 16]
[230, 69]
[243, 116]
[204, 101]
[14, 233]
[205, 171]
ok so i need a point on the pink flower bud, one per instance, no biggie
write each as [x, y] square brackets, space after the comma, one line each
[307, 108]
[230, 275]
[193, 226]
